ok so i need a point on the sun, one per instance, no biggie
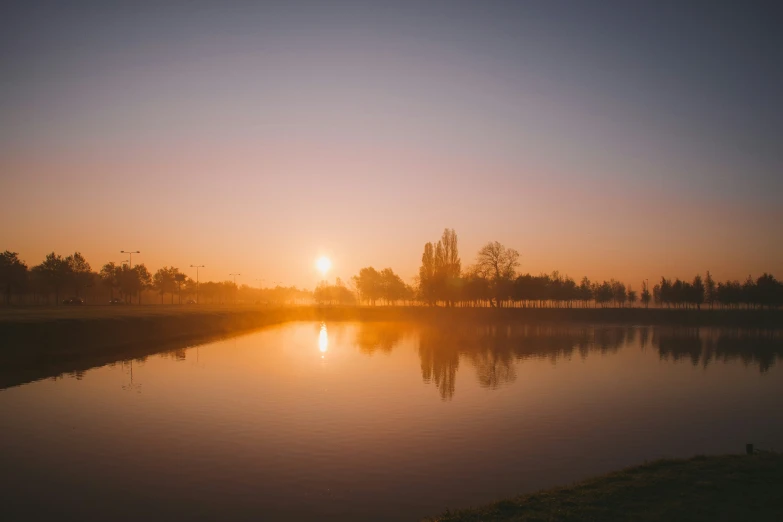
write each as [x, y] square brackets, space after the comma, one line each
[323, 264]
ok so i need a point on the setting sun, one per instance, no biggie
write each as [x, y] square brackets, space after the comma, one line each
[323, 264]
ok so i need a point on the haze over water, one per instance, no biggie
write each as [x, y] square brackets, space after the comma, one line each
[360, 421]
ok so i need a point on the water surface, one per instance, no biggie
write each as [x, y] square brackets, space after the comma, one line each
[360, 421]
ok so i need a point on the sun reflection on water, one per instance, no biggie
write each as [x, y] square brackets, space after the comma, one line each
[323, 340]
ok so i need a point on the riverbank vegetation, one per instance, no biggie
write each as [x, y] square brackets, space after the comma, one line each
[708, 489]
[493, 281]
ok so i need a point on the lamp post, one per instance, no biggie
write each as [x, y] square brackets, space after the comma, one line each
[130, 256]
[235, 287]
[197, 267]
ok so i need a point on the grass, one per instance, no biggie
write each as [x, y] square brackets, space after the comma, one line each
[709, 489]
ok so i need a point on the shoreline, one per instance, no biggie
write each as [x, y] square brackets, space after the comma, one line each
[702, 488]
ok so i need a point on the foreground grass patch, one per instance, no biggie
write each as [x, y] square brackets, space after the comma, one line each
[733, 487]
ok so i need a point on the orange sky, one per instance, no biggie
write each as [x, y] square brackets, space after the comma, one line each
[255, 139]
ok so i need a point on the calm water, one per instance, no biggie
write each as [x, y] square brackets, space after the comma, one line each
[377, 421]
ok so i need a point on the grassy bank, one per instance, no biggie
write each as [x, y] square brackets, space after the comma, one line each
[709, 489]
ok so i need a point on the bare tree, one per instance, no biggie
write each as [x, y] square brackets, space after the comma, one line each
[498, 264]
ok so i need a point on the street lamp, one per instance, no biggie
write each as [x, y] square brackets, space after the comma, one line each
[196, 267]
[235, 286]
[130, 256]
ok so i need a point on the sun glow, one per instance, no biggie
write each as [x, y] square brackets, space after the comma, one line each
[323, 264]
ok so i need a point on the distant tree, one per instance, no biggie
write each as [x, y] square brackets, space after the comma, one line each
[210, 290]
[585, 291]
[133, 281]
[498, 264]
[709, 290]
[631, 296]
[569, 291]
[427, 282]
[393, 288]
[13, 274]
[657, 297]
[645, 297]
[749, 292]
[439, 275]
[665, 292]
[109, 277]
[448, 266]
[769, 291]
[618, 292]
[54, 273]
[80, 273]
[697, 292]
[179, 280]
[677, 294]
[163, 283]
[729, 294]
[369, 285]
[333, 294]
[603, 293]
[475, 289]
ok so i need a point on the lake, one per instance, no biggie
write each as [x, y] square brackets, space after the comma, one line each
[378, 421]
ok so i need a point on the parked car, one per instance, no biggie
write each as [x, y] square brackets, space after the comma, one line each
[74, 301]
[190, 301]
[116, 301]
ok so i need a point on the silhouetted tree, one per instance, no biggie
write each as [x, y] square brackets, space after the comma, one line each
[369, 285]
[448, 267]
[631, 296]
[498, 264]
[132, 281]
[109, 276]
[603, 293]
[13, 274]
[709, 290]
[696, 292]
[79, 273]
[163, 282]
[331, 294]
[645, 297]
[427, 282]
[393, 288]
[618, 292]
[54, 273]
[585, 291]
[439, 275]
[748, 292]
[768, 291]
[475, 290]
[179, 280]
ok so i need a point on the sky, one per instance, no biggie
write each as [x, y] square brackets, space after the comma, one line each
[608, 139]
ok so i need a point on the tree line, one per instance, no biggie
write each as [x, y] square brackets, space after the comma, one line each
[492, 280]
[57, 276]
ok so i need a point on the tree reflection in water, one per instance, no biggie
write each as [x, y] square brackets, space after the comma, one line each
[494, 349]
